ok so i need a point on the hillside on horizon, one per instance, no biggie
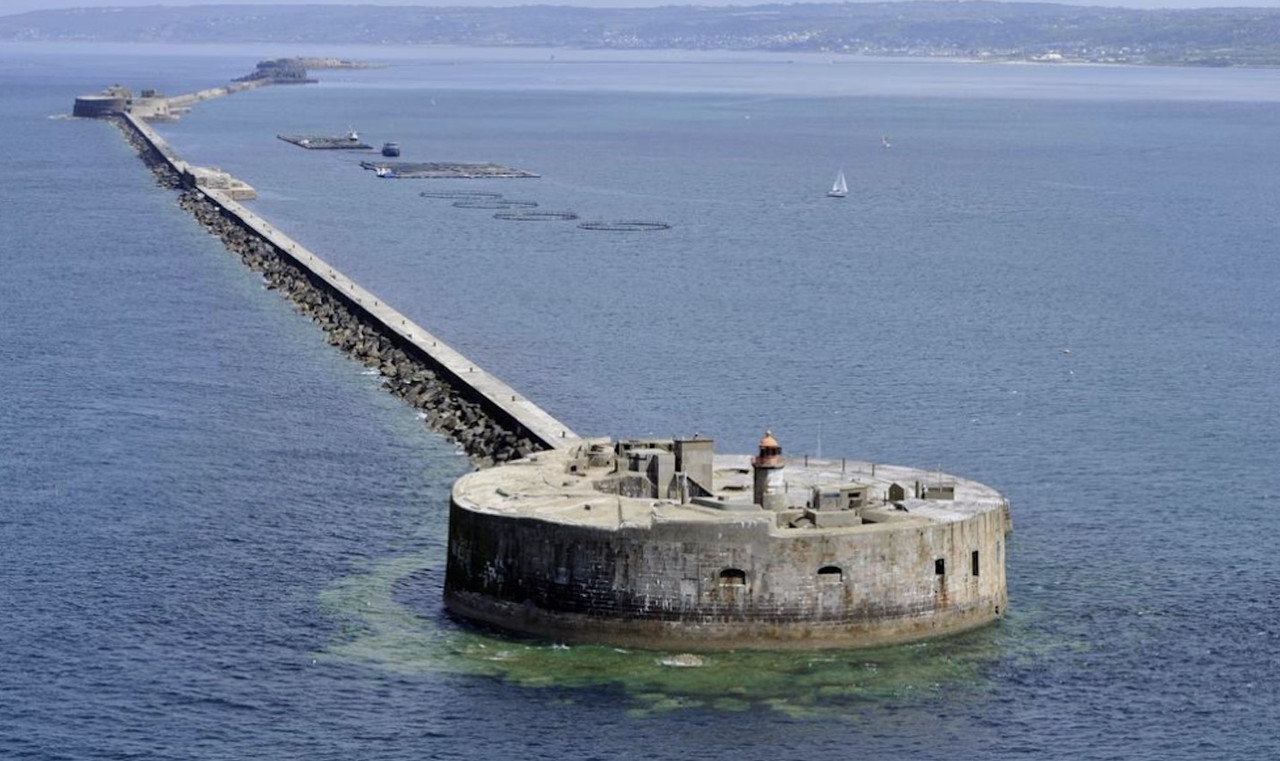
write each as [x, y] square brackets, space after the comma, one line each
[981, 30]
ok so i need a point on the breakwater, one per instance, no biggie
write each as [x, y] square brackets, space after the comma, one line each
[189, 99]
[487, 418]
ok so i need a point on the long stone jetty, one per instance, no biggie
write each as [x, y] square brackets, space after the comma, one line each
[489, 419]
[190, 99]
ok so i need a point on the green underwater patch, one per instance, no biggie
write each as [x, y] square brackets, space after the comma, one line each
[376, 630]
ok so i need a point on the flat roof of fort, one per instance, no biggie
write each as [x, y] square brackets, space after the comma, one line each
[574, 488]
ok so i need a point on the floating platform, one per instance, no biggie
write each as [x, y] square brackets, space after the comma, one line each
[443, 170]
[349, 142]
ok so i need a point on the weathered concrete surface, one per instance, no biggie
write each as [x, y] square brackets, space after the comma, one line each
[537, 547]
[487, 417]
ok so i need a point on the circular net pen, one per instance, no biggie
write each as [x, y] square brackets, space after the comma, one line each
[461, 195]
[494, 203]
[624, 226]
[536, 216]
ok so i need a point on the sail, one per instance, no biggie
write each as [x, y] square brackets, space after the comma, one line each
[839, 188]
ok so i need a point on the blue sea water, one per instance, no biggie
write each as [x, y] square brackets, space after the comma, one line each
[221, 540]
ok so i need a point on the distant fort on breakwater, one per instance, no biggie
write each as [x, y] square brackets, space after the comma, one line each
[657, 543]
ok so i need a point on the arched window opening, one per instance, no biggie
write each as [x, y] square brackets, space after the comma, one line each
[733, 577]
[830, 574]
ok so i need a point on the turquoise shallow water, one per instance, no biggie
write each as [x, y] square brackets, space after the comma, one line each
[223, 541]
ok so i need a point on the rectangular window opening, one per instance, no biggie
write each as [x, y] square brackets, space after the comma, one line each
[974, 563]
[940, 566]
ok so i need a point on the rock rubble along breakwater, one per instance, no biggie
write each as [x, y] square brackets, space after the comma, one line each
[471, 412]
[406, 374]
[166, 176]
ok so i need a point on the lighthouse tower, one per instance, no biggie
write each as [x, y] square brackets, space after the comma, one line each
[767, 475]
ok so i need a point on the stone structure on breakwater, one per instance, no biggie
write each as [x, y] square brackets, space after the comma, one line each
[118, 99]
[279, 71]
[665, 544]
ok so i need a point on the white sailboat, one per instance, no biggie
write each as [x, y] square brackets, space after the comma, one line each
[839, 188]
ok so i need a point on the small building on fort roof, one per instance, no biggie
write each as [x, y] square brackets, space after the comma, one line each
[662, 543]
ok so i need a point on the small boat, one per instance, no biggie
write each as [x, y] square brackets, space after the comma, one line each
[839, 188]
[384, 172]
[390, 149]
[884, 140]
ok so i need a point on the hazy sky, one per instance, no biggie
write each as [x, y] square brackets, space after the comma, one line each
[19, 6]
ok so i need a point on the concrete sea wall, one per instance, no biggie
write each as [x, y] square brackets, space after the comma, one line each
[486, 417]
[698, 586]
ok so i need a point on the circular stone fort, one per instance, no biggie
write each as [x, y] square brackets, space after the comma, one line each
[663, 544]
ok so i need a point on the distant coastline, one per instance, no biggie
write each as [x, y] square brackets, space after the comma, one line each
[979, 30]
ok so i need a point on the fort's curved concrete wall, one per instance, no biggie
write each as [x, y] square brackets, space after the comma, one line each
[686, 578]
[662, 587]
[97, 106]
